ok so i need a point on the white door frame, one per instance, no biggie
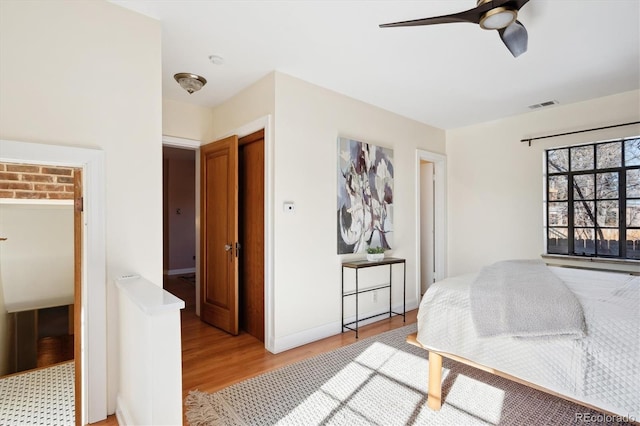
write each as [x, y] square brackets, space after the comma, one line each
[93, 317]
[247, 129]
[440, 220]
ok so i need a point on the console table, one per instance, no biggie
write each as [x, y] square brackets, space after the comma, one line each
[360, 264]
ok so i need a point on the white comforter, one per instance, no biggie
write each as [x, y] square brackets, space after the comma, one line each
[601, 369]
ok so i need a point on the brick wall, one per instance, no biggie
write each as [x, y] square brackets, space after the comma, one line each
[27, 181]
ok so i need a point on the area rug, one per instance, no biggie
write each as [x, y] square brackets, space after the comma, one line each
[380, 380]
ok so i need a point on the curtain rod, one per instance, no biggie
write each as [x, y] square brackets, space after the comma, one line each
[578, 131]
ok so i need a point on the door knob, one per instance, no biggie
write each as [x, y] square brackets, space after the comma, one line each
[227, 247]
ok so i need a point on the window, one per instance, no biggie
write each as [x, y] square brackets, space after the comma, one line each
[593, 199]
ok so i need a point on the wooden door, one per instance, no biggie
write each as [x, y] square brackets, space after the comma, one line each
[78, 208]
[251, 233]
[219, 234]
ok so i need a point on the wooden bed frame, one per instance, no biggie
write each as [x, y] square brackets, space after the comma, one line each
[434, 393]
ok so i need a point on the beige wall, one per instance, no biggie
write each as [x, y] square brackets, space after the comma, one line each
[309, 120]
[188, 121]
[495, 181]
[68, 78]
[256, 101]
[184, 120]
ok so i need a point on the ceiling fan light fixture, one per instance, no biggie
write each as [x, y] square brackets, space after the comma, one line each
[499, 15]
[190, 82]
[497, 18]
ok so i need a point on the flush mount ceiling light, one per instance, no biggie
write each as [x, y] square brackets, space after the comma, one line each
[190, 82]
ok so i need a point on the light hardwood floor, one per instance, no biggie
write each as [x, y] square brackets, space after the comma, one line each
[212, 359]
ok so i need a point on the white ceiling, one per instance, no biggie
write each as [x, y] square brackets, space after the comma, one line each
[446, 76]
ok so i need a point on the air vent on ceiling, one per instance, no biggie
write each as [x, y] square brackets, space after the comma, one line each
[543, 104]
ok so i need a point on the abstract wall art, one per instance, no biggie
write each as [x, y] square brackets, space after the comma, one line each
[365, 196]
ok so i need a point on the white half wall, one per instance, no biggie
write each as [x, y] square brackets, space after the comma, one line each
[496, 182]
[151, 354]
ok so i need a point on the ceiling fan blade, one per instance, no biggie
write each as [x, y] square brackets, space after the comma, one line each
[466, 16]
[516, 4]
[515, 37]
[472, 15]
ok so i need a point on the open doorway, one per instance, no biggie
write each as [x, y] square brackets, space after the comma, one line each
[40, 286]
[37, 286]
[179, 219]
[263, 123]
[181, 223]
[91, 313]
[427, 232]
[179, 212]
[430, 219]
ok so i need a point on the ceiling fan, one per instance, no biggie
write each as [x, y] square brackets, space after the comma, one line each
[498, 15]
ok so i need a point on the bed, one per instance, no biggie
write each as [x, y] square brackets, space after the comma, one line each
[599, 369]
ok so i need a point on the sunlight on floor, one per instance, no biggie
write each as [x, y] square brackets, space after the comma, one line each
[353, 395]
[384, 384]
[476, 398]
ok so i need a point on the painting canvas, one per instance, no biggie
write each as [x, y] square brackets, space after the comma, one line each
[365, 196]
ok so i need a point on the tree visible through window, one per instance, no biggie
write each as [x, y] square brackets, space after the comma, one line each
[593, 199]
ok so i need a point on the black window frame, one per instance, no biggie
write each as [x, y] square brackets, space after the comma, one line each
[571, 203]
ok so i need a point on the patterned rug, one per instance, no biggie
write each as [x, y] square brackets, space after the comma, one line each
[39, 397]
[381, 380]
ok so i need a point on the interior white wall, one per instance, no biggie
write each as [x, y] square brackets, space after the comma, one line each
[254, 102]
[496, 182]
[66, 78]
[36, 260]
[309, 120]
[188, 121]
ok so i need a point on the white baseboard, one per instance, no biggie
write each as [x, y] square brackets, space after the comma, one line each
[179, 271]
[317, 333]
[122, 414]
[303, 337]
